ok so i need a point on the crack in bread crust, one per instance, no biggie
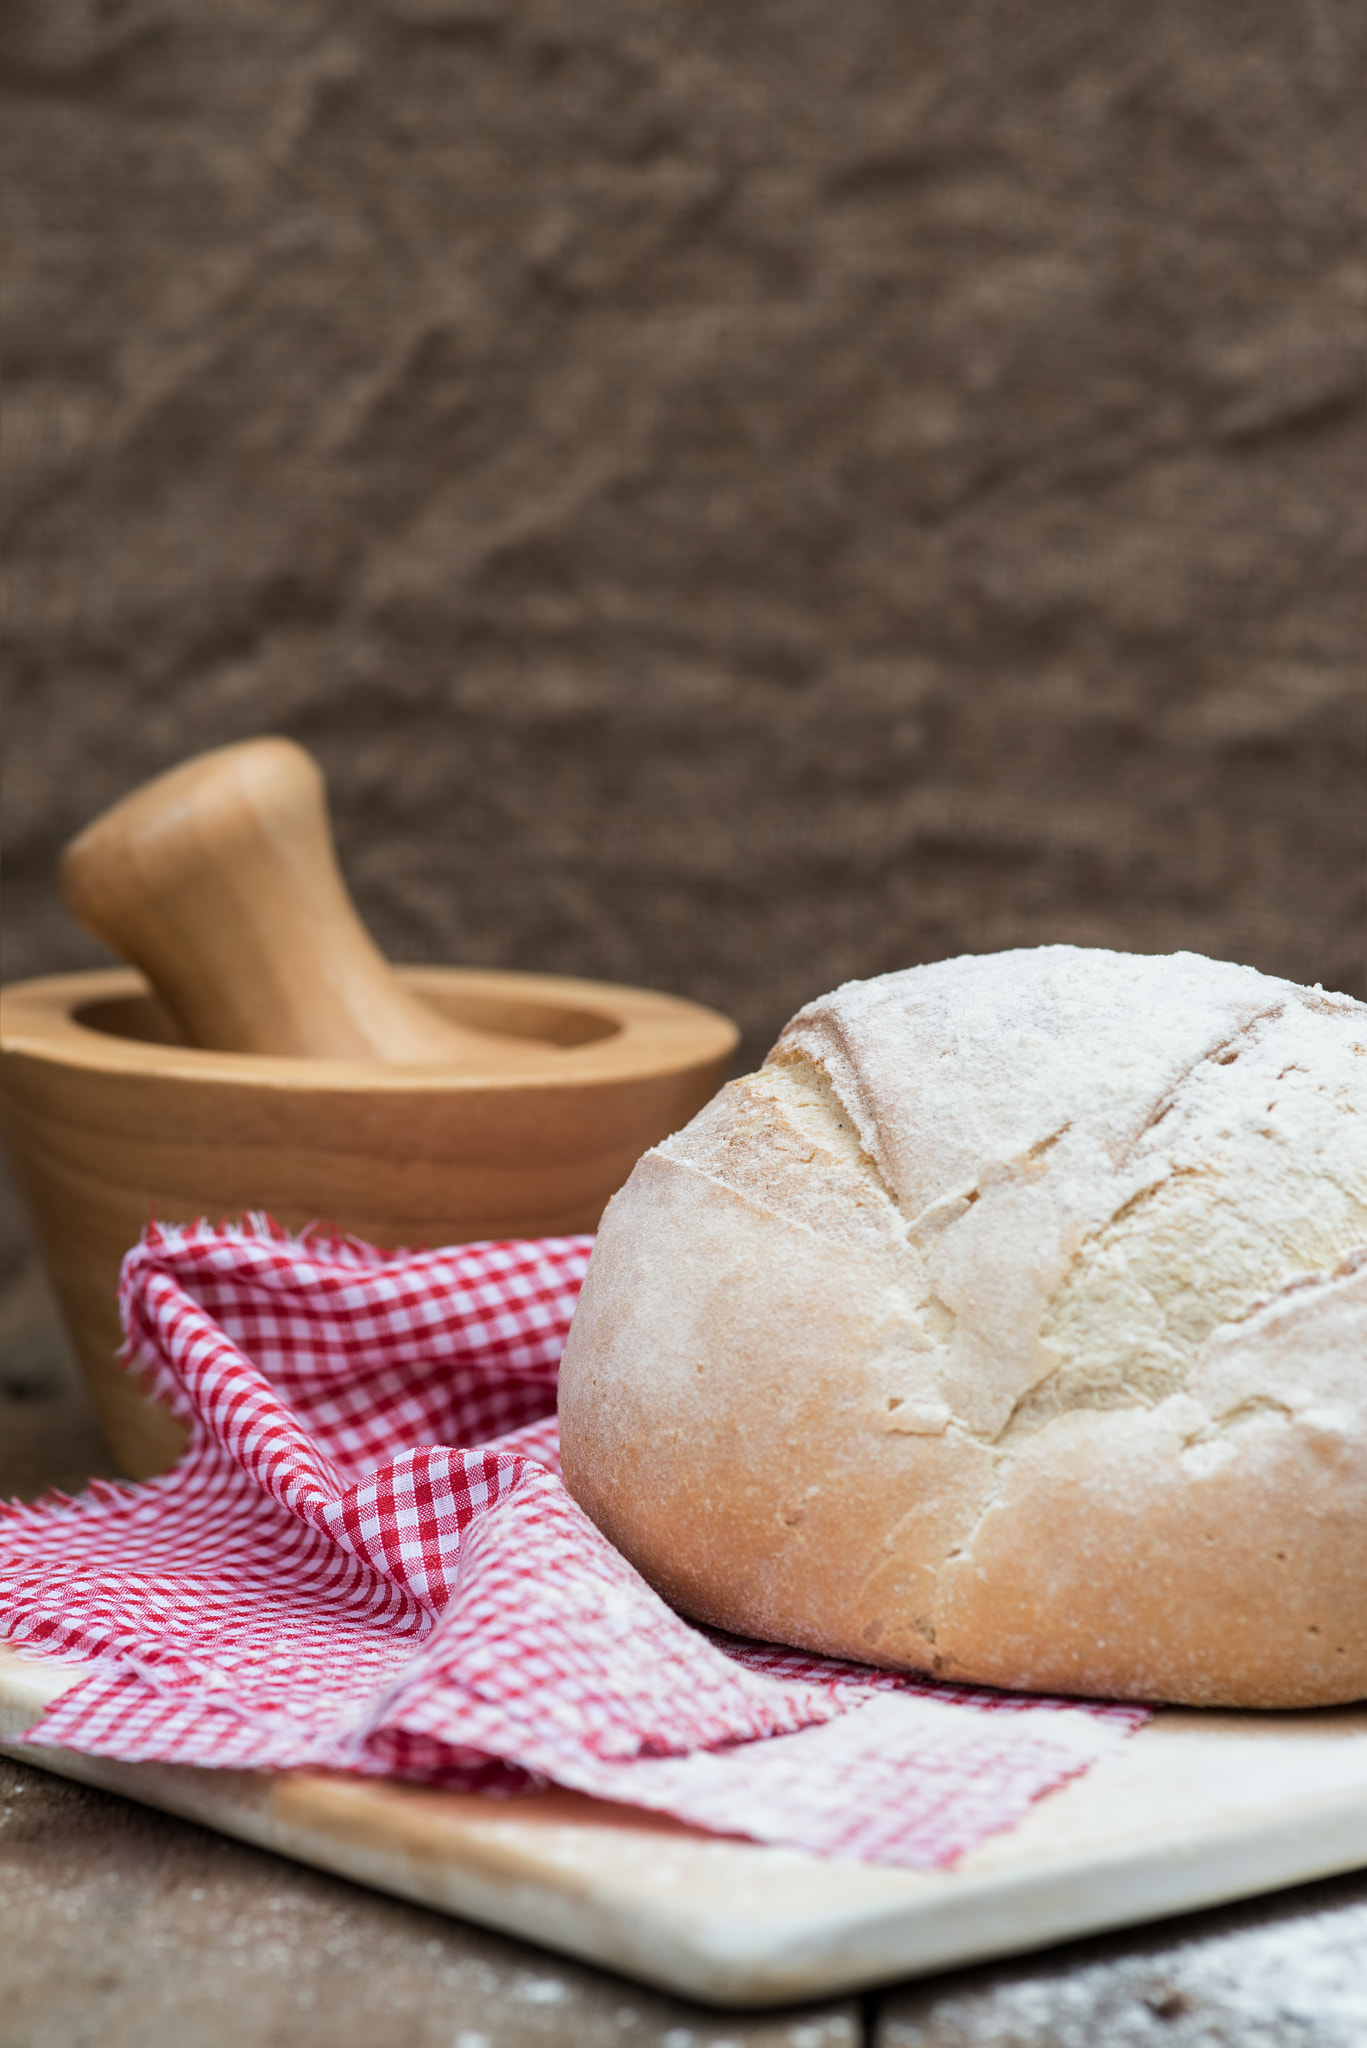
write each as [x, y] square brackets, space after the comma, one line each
[1196, 1248]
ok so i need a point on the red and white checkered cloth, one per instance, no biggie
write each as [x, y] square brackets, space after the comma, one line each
[325, 1580]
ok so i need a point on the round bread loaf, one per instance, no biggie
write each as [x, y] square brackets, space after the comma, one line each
[1009, 1324]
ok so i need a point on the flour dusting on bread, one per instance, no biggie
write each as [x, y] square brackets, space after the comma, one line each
[978, 1270]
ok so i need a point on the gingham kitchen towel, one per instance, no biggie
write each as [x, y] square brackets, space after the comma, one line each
[366, 1561]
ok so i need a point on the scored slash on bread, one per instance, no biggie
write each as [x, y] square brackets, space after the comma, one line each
[1009, 1324]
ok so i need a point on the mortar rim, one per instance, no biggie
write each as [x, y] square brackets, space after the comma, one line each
[654, 1035]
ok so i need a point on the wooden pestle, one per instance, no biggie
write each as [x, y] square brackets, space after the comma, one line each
[219, 881]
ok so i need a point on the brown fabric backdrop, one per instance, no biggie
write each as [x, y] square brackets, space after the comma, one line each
[736, 496]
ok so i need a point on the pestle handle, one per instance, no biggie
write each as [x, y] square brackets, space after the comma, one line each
[220, 882]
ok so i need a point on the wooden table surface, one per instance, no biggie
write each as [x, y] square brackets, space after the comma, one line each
[124, 1927]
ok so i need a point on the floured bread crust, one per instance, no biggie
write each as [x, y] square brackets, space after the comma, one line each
[1009, 1324]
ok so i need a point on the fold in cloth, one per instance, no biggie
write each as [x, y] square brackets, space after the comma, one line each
[366, 1561]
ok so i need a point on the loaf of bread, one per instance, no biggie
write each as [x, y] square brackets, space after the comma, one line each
[1010, 1324]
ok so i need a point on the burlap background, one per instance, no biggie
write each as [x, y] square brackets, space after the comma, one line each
[737, 495]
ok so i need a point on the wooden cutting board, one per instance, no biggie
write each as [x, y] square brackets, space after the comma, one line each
[1196, 1809]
